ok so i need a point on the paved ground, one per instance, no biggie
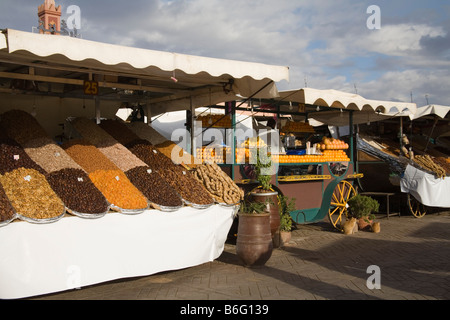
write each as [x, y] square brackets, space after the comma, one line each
[319, 264]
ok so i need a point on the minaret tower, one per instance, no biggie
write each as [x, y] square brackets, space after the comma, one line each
[50, 16]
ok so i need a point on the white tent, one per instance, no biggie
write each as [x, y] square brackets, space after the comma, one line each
[432, 109]
[172, 81]
[368, 110]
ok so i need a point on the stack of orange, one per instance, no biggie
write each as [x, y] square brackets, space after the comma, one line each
[333, 144]
[209, 154]
[327, 156]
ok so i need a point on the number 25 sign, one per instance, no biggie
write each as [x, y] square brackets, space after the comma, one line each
[91, 88]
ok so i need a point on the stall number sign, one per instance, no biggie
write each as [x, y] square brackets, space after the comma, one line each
[91, 88]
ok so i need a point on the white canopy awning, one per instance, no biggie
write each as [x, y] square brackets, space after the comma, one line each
[345, 100]
[440, 111]
[174, 81]
[368, 110]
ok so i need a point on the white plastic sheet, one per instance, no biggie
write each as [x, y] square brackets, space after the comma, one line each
[75, 252]
[426, 188]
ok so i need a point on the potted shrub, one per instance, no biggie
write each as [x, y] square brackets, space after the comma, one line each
[265, 193]
[287, 205]
[362, 208]
[254, 240]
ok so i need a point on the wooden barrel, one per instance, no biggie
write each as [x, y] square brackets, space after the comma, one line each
[254, 240]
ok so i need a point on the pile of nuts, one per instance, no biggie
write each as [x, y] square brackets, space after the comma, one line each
[123, 158]
[49, 155]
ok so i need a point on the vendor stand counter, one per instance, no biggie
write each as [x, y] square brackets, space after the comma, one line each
[74, 252]
[320, 189]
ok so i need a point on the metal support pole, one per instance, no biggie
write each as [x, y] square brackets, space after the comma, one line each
[351, 136]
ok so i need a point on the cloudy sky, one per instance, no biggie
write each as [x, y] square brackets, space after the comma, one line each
[327, 44]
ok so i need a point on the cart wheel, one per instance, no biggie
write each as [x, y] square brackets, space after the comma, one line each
[343, 192]
[417, 209]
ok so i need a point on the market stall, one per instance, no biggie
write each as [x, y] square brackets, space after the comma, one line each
[318, 170]
[75, 253]
[407, 157]
[69, 90]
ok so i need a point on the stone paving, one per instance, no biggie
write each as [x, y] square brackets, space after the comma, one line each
[413, 256]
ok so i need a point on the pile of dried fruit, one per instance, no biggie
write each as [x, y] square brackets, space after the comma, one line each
[154, 187]
[427, 163]
[118, 154]
[218, 184]
[12, 156]
[176, 153]
[118, 189]
[88, 156]
[107, 177]
[6, 209]
[119, 131]
[150, 155]
[144, 131]
[21, 126]
[187, 186]
[31, 195]
[444, 163]
[90, 131]
[77, 191]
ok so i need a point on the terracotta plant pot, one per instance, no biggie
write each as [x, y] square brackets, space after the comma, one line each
[254, 240]
[285, 237]
[273, 209]
[364, 223]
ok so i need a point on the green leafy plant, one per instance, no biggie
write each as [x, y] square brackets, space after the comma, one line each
[252, 207]
[287, 205]
[263, 168]
[363, 207]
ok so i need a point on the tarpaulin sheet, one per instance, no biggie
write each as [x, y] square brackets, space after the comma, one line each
[426, 188]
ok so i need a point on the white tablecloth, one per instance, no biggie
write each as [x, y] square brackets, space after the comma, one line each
[426, 188]
[76, 252]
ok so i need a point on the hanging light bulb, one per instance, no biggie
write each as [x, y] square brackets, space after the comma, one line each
[318, 109]
[341, 114]
[290, 105]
